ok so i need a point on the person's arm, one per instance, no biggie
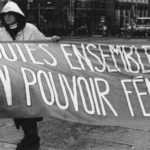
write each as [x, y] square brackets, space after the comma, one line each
[40, 36]
[53, 38]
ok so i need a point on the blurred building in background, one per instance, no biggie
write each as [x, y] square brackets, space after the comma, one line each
[127, 11]
[82, 17]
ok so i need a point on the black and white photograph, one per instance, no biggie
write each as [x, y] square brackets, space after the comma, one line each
[74, 74]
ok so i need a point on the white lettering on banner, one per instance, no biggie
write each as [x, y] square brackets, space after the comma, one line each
[116, 51]
[140, 61]
[86, 91]
[114, 60]
[148, 85]
[129, 58]
[102, 96]
[91, 52]
[67, 55]
[81, 57]
[55, 91]
[92, 57]
[54, 61]
[28, 83]
[72, 91]
[108, 57]
[12, 52]
[3, 51]
[140, 94]
[5, 78]
[82, 79]
[127, 94]
[29, 50]
[104, 57]
[63, 89]
[9, 52]
[147, 48]
[21, 53]
[51, 100]
[94, 96]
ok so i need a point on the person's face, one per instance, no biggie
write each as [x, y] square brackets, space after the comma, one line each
[9, 18]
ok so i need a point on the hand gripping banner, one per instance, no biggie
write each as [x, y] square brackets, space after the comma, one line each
[87, 83]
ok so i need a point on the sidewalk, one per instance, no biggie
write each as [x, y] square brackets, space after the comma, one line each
[61, 135]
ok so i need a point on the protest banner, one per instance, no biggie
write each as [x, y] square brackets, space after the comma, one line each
[82, 82]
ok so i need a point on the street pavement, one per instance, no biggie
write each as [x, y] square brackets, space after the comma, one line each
[62, 135]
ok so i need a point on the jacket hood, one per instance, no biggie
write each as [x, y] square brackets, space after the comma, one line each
[12, 7]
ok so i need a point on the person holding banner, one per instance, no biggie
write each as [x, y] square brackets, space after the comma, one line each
[15, 28]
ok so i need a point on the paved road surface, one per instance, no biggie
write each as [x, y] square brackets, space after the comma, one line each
[60, 135]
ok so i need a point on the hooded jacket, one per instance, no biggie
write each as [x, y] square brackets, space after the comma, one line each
[29, 31]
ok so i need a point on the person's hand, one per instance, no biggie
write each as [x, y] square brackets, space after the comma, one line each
[55, 38]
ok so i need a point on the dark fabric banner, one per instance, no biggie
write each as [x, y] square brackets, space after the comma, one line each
[83, 82]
